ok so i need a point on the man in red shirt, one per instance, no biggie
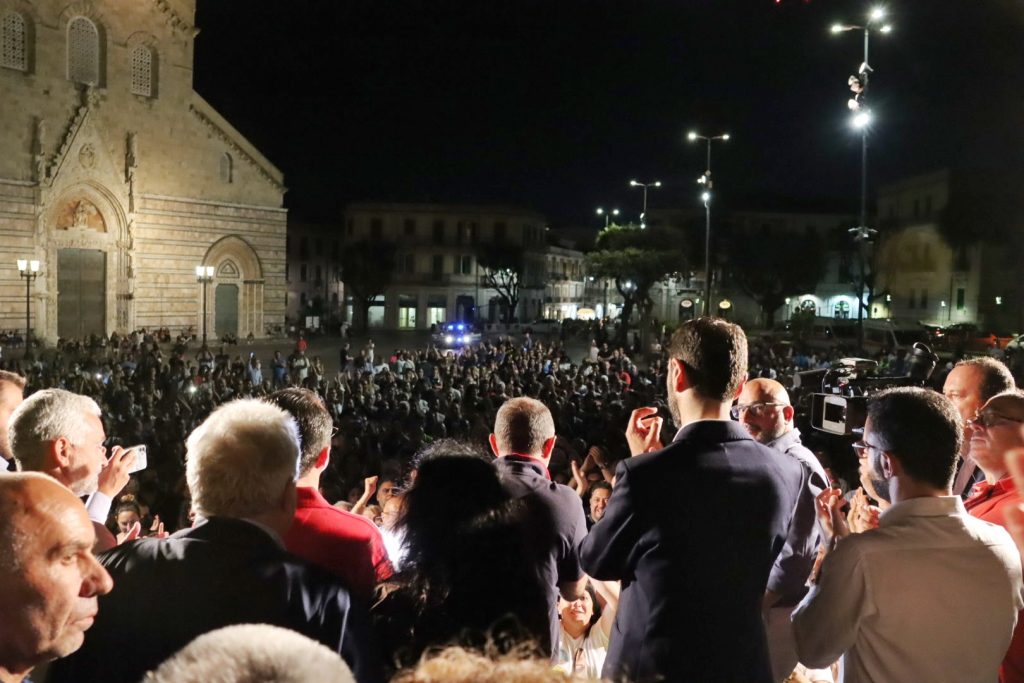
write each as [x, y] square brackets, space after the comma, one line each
[348, 545]
[995, 430]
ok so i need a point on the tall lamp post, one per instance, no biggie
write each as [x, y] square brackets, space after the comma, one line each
[705, 196]
[30, 271]
[645, 186]
[204, 274]
[607, 215]
[862, 121]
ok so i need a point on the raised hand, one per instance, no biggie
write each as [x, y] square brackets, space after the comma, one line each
[581, 481]
[830, 513]
[643, 434]
[157, 528]
[114, 475]
[130, 535]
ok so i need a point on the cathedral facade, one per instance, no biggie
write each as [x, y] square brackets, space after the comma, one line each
[120, 179]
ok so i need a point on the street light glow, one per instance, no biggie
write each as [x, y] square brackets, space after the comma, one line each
[861, 120]
[886, 29]
[656, 183]
[837, 28]
[633, 183]
[877, 14]
[691, 136]
[706, 196]
[725, 136]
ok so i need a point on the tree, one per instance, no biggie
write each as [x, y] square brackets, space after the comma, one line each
[367, 269]
[769, 267]
[503, 267]
[635, 259]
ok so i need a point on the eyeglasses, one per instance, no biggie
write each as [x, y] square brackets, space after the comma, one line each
[989, 419]
[862, 448]
[757, 409]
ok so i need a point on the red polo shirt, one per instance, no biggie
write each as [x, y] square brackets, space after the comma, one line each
[987, 502]
[348, 545]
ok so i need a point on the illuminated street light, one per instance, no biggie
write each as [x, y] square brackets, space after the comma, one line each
[28, 269]
[607, 214]
[705, 196]
[861, 121]
[636, 183]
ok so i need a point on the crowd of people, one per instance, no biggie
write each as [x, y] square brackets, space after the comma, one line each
[424, 516]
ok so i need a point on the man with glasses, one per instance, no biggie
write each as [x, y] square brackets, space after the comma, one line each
[932, 594]
[969, 384]
[61, 434]
[764, 410]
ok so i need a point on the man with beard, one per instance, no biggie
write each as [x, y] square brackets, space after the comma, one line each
[932, 594]
[764, 410]
[694, 567]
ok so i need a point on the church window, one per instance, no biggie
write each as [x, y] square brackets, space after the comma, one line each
[83, 51]
[227, 168]
[14, 42]
[142, 62]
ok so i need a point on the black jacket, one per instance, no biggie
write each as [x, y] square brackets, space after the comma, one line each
[692, 531]
[222, 572]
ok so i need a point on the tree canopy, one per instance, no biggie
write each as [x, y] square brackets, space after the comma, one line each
[502, 269]
[367, 268]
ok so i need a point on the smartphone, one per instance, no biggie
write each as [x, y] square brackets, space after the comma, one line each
[140, 458]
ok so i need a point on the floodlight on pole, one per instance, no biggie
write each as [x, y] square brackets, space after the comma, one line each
[705, 196]
[607, 214]
[645, 186]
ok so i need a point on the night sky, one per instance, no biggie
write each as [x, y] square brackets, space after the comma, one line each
[556, 104]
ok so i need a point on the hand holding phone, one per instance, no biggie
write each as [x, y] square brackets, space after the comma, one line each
[140, 458]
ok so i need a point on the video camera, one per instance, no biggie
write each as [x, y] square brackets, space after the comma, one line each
[840, 406]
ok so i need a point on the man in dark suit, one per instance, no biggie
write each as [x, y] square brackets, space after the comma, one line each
[230, 568]
[692, 529]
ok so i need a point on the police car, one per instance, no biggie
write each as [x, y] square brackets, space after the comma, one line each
[455, 335]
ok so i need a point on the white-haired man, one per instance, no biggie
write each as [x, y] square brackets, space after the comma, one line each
[248, 652]
[230, 568]
[61, 434]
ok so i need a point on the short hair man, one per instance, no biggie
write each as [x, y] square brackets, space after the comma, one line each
[12, 389]
[61, 434]
[696, 564]
[932, 594]
[969, 384]
[230, 568]
[523, 438]
[348, 545]
[766, 413]
[600, 492]
[49, 577]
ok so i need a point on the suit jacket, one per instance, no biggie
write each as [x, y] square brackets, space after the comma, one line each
[222, 572]
[692, 531]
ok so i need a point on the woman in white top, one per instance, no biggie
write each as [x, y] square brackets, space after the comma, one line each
[586, 627]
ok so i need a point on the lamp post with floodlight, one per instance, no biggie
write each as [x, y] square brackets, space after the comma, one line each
[862, 120]
[643, 214]
[607, 215]
[705, 196]
[204, 275]
[30, 271]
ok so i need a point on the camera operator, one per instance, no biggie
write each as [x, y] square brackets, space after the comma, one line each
[933, 593]
[969, 384]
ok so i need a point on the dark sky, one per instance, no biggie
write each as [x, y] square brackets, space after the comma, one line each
[556, 104]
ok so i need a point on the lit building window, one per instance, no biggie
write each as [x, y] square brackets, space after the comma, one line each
[83, 51]
[14, 42]
[142, 62]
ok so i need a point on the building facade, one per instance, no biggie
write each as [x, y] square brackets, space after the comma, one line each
[438, 277]
[120, 179]
[313, 274]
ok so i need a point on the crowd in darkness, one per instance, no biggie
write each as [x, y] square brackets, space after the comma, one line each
[634, 514]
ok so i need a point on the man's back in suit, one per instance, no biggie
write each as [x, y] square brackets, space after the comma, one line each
[223, 572]
[692, 530]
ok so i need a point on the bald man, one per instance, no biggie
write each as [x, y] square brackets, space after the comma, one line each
[763, 408]
[49, 579]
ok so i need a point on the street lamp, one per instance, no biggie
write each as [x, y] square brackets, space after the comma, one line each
[204, 274]
[705, 196]
[30, 271]
[862, 120]
[634, 183]
[607, 215]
